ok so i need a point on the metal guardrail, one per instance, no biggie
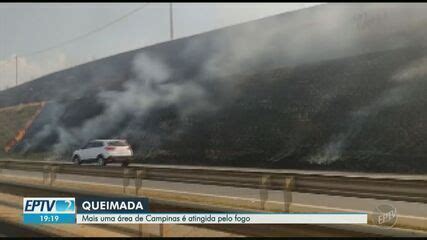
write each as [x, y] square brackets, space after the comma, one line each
[364, 186]
[164, 200]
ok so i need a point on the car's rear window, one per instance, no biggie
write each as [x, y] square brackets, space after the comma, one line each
[117, 143]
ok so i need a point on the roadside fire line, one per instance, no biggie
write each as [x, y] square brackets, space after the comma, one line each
[21, 133]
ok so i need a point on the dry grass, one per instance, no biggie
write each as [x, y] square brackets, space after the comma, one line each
[14, 118]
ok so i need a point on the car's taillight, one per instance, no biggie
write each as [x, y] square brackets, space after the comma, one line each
[109, 148]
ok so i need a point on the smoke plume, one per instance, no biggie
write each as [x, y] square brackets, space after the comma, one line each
[199, 79]
[403, 80]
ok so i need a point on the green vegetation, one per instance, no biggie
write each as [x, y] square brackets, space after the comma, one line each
[12, 119]
[45, 156]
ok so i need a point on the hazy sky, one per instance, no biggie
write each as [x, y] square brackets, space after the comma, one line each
[29, 27]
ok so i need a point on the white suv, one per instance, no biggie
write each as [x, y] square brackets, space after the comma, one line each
[103, 152]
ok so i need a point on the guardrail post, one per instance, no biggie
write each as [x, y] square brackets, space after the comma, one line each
[126, 178]
[49, 174]
[53, 171]
[263, 192]
[140, 174]
[140, 232]
[46, 169]
[288, 186]
[161, 230]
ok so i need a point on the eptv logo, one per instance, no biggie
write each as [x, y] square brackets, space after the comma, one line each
[49, 205]
[49, 210]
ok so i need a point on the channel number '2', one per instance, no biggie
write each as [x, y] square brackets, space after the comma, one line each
[60, 206]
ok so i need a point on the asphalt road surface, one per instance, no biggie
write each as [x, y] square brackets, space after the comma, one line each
[12, 230]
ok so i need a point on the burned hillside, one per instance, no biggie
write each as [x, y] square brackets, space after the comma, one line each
[363, 113]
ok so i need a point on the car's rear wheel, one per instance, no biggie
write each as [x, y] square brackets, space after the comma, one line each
[76, 160]
[101, 161]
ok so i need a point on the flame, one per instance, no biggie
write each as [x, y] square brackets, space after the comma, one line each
[21, 133]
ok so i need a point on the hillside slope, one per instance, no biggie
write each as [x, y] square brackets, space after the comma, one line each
[364, 113]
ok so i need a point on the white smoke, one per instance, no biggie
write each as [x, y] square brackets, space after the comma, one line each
[414, 70]
[330, 152]
[399, 94]
[152, 87]
[313, 35]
